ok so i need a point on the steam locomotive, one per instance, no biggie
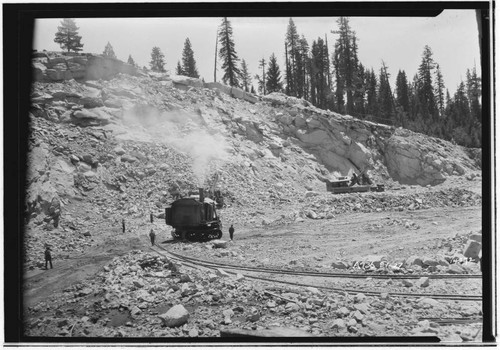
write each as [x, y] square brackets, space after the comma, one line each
[194, 218]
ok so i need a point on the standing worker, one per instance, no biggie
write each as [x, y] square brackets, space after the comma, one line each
[151, 217]
[48, 257]
[231, 231]
[123, 225]
[152, 236]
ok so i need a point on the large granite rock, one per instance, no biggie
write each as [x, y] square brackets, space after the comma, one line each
[176, 316]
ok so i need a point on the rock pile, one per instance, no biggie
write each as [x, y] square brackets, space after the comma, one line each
[143, 294]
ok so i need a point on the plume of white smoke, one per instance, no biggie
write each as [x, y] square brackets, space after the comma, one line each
[183, 131]
[204, 149]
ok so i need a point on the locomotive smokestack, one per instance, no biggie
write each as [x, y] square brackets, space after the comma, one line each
[202, 195]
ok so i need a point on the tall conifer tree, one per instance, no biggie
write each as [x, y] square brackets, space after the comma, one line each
[188, 61]
[227, 54]
[346, 63]
[246, 79]
[273, 81]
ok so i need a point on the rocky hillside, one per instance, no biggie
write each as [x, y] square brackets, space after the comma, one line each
[115, 140]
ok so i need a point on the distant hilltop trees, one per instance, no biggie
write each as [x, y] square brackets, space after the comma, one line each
[335, 79]
[67, 36]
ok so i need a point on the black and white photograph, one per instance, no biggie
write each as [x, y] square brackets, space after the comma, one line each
[262, 177]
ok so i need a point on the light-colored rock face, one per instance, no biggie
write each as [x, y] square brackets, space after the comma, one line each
[416, 159]
[88, 67]
[279, 135]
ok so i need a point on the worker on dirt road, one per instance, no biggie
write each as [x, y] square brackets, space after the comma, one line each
[152, 235]
[48, 257]
[123, 225]
[151, 217]
[231, 231]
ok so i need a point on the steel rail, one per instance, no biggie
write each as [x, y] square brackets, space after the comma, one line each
[338, 290]
[326, 274]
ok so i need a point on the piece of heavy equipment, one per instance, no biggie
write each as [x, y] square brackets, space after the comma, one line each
[194, 218]
[355, 183]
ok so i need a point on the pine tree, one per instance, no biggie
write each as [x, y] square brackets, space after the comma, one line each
[439, 89]
[474, 94]
[188, 61]
[359, 92]
[319, 73]
[227, 53]
[292, 42]
[246, 79]
[345, 59]
[108, 51]
[131, 61]
[67, 36]
[385, 102]
[273, 83]
[252, 90]
[301, 60]
[371, 94]
[425, 90]
[178, 69]
[402, 96]
[157, 60]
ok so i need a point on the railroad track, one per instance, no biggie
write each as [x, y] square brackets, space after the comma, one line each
[324, 274]
[197, 263]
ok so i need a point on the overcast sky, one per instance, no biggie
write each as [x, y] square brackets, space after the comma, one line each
[399, 41]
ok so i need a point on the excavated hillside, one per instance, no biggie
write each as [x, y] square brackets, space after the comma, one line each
[112, 144]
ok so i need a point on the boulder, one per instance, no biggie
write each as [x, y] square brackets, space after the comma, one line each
[175, 316]
[218, 243]
[407, 283]
[428, 302]
[343, 311]
[292, 307]
[341, 265]
[429, 261]
[250, 97]
[128, 158]
[237, 93]
[222, 273]
[186, 81]
[423, 282]
[358, 316]
[311, 214]
[39, 71]
[414, 260]
[472, 249]
[455, 269]
[358, 298]
[338, 324]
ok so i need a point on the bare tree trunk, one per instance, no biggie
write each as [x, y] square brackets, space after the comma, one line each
[215, 64]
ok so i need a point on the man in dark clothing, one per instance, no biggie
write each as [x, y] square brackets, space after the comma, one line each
[151, 217]
[123, 225]
[231, 231]
[48, 258]
[152, 236]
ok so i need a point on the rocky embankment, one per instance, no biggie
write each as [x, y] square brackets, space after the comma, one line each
[141, 294]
